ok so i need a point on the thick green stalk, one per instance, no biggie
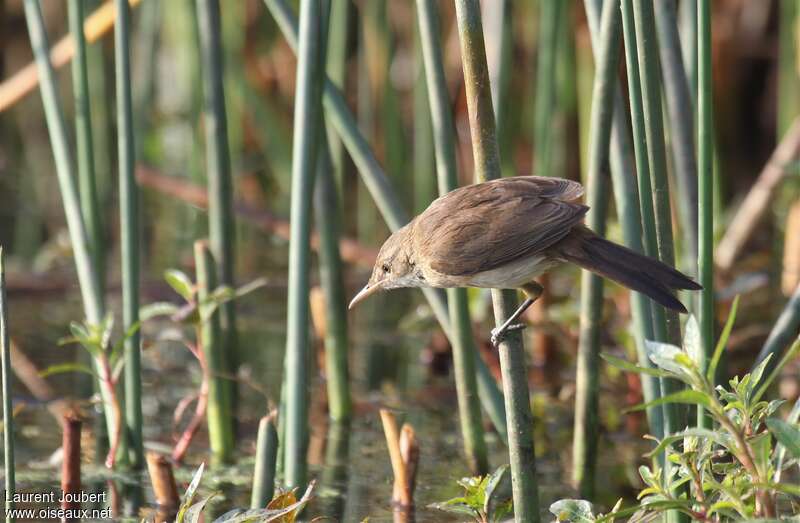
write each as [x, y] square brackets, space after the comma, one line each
[650, 82]
[88, 277]
[549, 13]
[340, 116]
[626, 197]
[681, 121]
[221, 230]
[266, 457]
[8, 407]
[129, 234]
[327, 211]
[464, 349]
[304, 153]
[705, 138]
[512, 354]
[497, 24]
[218, 412]
[584, 449]
[688, 30]
[87, 185]
[424, 160]
[336, 66]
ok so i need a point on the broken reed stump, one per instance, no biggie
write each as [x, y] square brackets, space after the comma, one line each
[266, 460]
[71, 465]
[164, 487]
[404, 454]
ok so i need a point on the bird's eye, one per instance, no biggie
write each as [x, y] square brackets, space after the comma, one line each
[385, 267]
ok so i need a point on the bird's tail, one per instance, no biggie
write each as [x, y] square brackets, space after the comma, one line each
[629, 268]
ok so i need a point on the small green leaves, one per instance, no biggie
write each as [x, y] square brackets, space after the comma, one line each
[573, 511]
[485, 498]
[787, 435]
[692, 343]
[180, 283]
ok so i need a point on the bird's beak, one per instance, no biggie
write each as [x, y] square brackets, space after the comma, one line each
[364, 293]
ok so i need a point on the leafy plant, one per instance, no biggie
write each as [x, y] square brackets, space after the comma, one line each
[193, 313]
[284, 507]
[731, 470]
[486, 498]
[96, 339]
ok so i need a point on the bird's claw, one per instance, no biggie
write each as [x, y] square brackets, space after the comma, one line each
[500, 333]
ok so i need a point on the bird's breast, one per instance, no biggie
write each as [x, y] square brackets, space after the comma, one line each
[509, 276]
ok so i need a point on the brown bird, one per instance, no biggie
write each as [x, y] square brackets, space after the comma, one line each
[504, 233]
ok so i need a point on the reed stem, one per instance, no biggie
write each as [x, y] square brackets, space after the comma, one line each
[782, 334]
[512, 355]
[705, 138]
[328, 214]
[681, 122]
[87, 183]
[550, 11]
[221, 229]
[304, 153]
[8, 407]
[424, 159]
[584, 449]
[218, 411]
[71, 464]
[88, 276]
[129, 234]
[266, 458]
[463, 343]
[340, 116]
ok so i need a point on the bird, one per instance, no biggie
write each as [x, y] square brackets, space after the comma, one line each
[504, 233]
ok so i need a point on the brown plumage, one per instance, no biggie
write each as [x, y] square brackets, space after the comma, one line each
[504, 233]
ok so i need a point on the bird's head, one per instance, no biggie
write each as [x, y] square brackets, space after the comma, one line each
[394, 268]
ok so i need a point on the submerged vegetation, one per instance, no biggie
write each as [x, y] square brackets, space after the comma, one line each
[324, 129]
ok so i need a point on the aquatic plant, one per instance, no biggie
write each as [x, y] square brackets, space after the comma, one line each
[486, 498]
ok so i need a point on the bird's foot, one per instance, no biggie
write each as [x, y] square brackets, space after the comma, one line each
[500, 333]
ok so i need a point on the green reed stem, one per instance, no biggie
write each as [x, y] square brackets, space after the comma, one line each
[326, 206]
[424, 160]
[584, 449]
[688, 34]
[463, 342]
[681, 121]
[626, 197]
[339, 115]
[266, 458]
[549, 13]
[129, 234]
[497, 22]
[336, 66]
[705, 138]
[87, 184]
[88, 276]
[218, 412]
[788, 74]
[304, 153]
[221, 226]
[512, 354]
[8, 407]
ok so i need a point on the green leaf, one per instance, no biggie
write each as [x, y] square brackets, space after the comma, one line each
[687, 396]
[247, 288]
[787, 435]
[723, 341]
[61, 368]
[455, 506]
[692, 343]
[159, 308]
[573, 511]
[631, 367]
[663, 355]
[180, 283]
[188, 497]
[718, 438]
[497, 492]
[195, 512]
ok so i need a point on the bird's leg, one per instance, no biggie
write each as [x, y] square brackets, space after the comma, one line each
[532, 290]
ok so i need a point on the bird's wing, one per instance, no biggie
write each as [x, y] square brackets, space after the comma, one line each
[482, 227]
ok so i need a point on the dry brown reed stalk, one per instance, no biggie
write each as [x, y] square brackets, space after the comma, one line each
[26, 79]
[164, 487]
[71, 465]
[404, 454]
[759, 198]
[791, 251]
